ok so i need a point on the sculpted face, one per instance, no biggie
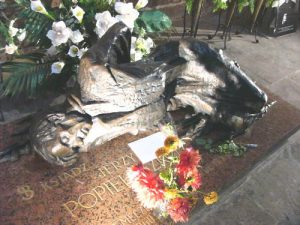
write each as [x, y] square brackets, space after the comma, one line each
[57, 141]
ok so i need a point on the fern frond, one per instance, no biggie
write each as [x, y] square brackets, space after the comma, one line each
[26, 74]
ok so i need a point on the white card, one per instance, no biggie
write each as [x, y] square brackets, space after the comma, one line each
[145, 148]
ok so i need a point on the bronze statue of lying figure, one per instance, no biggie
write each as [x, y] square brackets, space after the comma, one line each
[117, 96]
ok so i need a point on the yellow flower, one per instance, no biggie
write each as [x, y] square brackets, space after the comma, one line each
[172, 143]
[170, 193]
[211, 198]
[161, 152]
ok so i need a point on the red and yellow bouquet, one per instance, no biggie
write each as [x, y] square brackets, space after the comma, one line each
[175, 189]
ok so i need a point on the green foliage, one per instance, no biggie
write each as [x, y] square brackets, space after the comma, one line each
[4, 33]
[152, 21]
[189, 5]
[26, 74]
[246, 3]
[219, 5]
[228, 147]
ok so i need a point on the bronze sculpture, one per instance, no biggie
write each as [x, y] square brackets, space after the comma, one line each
[118, 97]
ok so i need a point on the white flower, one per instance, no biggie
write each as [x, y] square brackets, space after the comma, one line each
[22, 34]
[78, 13]
[104, 22]
[128, 13]
[57, 67]
[136, 55]
[76, 37]
[59, 33]
[37, 6]
[52, 51]
[12, 31]
[123, 8]
[128, 19]
[81, 52]
[141, 4]
[11, 48]
[73, 51]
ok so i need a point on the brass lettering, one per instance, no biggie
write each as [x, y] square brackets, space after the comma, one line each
[130, 157]
[116, 165]
[71, 210]
[45, 186]
[123, 181]
[104, 171]
[75, 171]
[87, 206]
[111, 187]
[26, 192]
[83, 168]
[67, 176]
[96, 191]
[54, 182]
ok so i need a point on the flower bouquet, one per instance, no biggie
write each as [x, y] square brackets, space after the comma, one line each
[60, 32]
[174, 191]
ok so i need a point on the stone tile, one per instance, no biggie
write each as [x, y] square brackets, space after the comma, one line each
[240, 210]
[288, 90]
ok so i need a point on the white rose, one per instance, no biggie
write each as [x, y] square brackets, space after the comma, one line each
[76, 37]
[57, 67]
[78, 13]
[37, 6]
[128, 19]
[104, 22]
[22, 35]
[52, 51]
[81, 52]
[11, 48]
[73, 51]
[123, 8]
[141, 4]
[59, 33]
[149, 44]
[12, 31]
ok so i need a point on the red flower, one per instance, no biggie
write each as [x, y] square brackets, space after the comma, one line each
[190, 179]
[188, 160]
[147, 185]
[179, 209]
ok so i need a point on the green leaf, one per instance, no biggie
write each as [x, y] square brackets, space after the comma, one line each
[25, 75]
[152, 21]
[189, 5]
[165, 176]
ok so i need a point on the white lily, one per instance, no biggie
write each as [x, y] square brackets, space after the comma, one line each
[73, 51]
[12, 31]
[103, 22]
[128, 14]
[78, 13]
[22, 35]
[37, 6]
[123, 8]
[141, 4]
[128, 19]
[57, 67]
[81, 52]
[76, 37]
[11, 48]
[52, 51]
[59, 33]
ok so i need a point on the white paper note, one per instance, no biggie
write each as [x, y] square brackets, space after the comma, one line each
[145, 148]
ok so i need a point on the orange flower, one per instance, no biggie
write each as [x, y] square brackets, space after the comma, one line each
[211, 198]
[179, 209]
[172, 143]
[161, 152]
